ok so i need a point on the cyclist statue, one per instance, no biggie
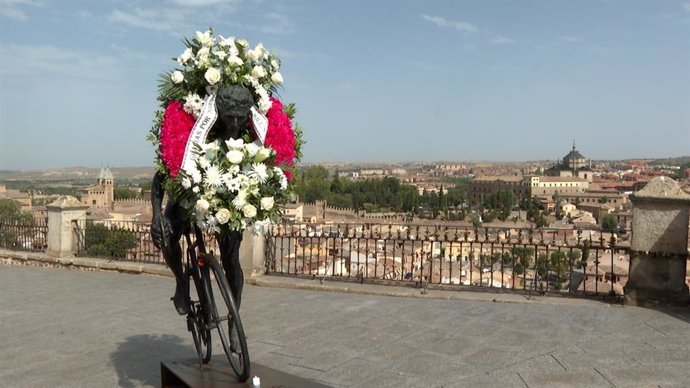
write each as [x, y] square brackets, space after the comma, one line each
[233, 104]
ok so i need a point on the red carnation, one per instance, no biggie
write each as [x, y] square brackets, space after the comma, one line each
[280, 136]
[175, 129]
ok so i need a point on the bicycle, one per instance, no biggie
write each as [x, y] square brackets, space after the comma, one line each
[205, 314]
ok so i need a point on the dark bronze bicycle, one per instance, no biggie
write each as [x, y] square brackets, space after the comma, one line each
[207, 312]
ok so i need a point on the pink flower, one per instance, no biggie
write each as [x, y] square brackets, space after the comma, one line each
[175, 129]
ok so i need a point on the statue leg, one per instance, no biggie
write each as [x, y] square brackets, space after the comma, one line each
[173, 257]
[229, 245]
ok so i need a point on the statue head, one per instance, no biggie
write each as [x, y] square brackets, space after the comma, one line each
[233, 103]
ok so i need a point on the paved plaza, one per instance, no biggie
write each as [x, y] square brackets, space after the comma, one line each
[77, 328]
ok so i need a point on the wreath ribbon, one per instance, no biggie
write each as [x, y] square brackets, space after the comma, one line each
[202, 126]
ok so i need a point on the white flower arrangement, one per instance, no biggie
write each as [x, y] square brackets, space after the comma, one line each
[209, 61]
[234, 184]
[234, 187]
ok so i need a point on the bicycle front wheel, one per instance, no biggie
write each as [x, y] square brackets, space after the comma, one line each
[200, 334]
[229, 324]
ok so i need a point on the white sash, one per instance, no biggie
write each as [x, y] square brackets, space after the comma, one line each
[260, 122]
[202, 126]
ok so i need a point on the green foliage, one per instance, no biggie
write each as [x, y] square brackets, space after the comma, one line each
[523, 255]
[9, 208]
[502, 201]
[541, 264]
[609, 223]
[124, 193]
[388, 194]
[519, 269]
[15, 226]
[101, 240]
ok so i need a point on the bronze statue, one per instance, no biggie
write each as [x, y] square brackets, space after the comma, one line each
[233, 103]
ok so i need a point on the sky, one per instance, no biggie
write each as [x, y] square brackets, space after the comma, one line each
[373, 80]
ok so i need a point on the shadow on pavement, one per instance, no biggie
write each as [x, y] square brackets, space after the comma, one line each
[137, 359]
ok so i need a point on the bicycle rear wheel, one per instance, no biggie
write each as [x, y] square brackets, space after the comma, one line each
[229, 324]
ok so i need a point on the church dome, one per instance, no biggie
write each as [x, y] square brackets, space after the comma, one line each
[574, 160]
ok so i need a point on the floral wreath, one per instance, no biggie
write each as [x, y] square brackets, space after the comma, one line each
[226, 184]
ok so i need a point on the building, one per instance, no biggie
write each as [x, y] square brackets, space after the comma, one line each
[548, 186]
[293, 212]
[572, 165]
[102, 195]
[483, 186]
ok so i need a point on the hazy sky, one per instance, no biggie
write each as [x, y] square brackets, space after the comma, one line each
[373, 80]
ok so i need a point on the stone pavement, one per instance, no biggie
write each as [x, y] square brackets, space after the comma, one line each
[75, 328]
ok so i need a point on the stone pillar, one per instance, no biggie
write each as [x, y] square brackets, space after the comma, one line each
[62, 239]
[659, 245]
[252, 254]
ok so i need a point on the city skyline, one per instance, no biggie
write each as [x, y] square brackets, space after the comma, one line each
[491, 81]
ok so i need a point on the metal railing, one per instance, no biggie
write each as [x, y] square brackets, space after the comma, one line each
[534, 260]
[117, 240]
[122, 240]
[24, 234]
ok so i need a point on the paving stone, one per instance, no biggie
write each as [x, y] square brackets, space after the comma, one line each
[70, 327]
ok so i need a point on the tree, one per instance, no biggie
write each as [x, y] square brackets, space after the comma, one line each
[523, 255]
[124, 193]
[10, 209]
[15, 226]
[609, 223]
[101, 240]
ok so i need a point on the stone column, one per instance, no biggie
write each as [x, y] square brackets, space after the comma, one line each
[252, 254]
[659, 245]
[62, 239]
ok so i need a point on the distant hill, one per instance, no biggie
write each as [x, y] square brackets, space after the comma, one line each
[75, 174]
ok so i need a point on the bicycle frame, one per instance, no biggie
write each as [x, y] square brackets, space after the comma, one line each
[207, 313]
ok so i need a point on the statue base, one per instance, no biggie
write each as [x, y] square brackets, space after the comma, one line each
[218, 373]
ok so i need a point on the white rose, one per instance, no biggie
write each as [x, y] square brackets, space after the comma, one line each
[267, 203]
[226, 41]
[204, 38]
[265, 104]
[242, 42]
[235, 156]
[202, 205]
[260, 50]
[223, 216]
[212, 75]
[220, 54]
[274, 64]
[185, 56]
[235, 60]
[249, 210]
[250, 55]
[258, 72]
[235, 144]
[277, 78]
[251, 149]
[177, 77]
[262, 154]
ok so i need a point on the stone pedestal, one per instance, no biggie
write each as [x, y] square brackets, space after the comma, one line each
[252, 254]
[62, 215]
[659, 245]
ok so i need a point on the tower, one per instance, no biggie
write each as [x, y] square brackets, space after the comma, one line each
[107, 182]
